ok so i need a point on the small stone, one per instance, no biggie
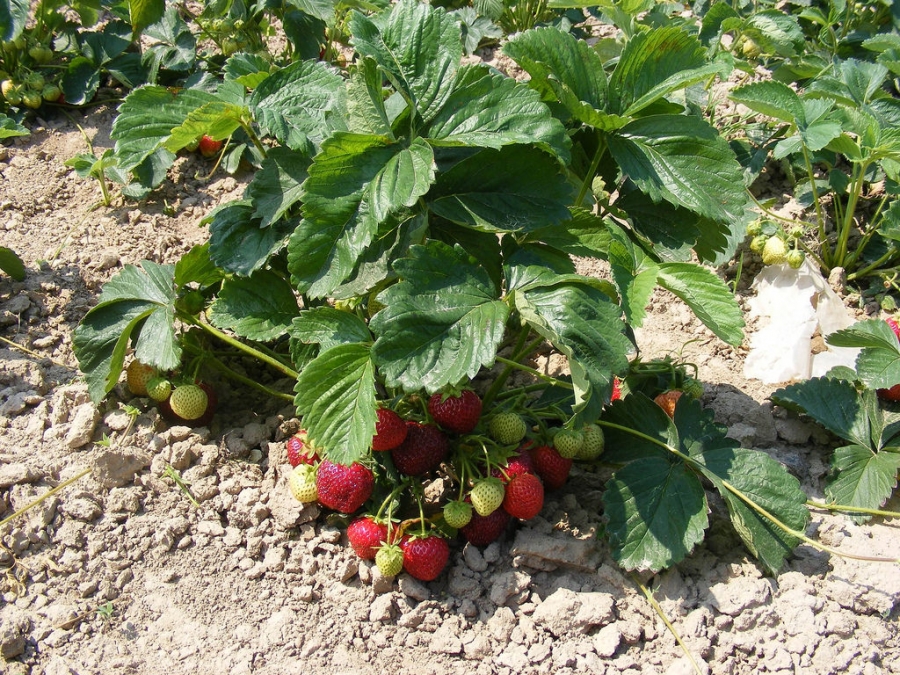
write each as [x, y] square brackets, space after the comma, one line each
[13, 632]
[381, 609]
[557, 613]
[581, 554]
[607, 640]
[115, 468]
[445, 641]
[84, 422]
[739, 595]
[81, 508]
[474, 559]
[16, 474]
[413, 588]
[212, 528]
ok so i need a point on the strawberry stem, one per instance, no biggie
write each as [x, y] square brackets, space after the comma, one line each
[851, 509]
[237, 344]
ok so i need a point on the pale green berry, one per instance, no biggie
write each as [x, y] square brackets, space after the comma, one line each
[774, 252]
[302, 482]
[389, 560]
[487, 495]
[568, 443]
[594, 442]
[457, 514]
[507, 428]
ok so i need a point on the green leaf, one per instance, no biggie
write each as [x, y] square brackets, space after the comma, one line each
[13, 17]
[864, 478]
[365, 101]
[835, 404]
[12, 264]
[581, 322]
[776, 32]
[10, 128]
[260, 307]
[657, 513]
[134, 298]
[196, 267]
[515, 189]
[247, 69]
[653, 65]
[354, 183]
[329, 327]
[301, 103]
[684, 161]
[336, 399]
[672, 231]
[766, 483]
[174, 47]
[146, 118]
[418, 48]
[637, 412]
[237, 244]
[216, 119]
[878, 364]
[562, 68]
[707, 296]
[82, 164]
[442, 322]
[278, 184]
[635, 275]
[80, 81]
[490, 110]
[145, 12]
[772, 98]
[320, 9]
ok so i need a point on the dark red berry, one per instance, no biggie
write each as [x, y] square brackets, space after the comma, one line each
[424, 448]
[550, 466]
[390, 430]
[344, 488]
[482, 530]
[456, 413]
[425, 557]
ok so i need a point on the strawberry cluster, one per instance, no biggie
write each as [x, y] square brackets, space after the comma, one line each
[188, 402]
[499, 467]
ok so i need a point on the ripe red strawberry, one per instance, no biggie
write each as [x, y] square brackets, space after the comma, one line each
[390, 430]
[344, 488]
[482, 530]
[300, 450]
[668, 400]
[366, 536]
[423, 449]
[425, 557]
[892, 394]
[553, 469]
[894, 326]
[524, 496]
[516, 465]
[209, 147]
[137, 375]
[456, 413]
[616, 390]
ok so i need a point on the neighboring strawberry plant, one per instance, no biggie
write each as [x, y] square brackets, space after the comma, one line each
[846, 402]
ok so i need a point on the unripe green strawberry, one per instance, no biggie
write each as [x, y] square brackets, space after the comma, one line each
[795, 259]
[774, 252]
[758, 243]
[568, 443]
[302, 481]
[594, 442]
[189, 401]
[35, 81]
[754, 229]
[692, 387]
[389, 560]
[32, 99]
[507, 428]
[159, 388]
[6, 87]
[457, 514]
[487, 495]
[51, 93]
[41, 54]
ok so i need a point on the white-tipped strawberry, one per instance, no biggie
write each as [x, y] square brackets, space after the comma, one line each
[302, 481]
[189, 401]
[487, 495]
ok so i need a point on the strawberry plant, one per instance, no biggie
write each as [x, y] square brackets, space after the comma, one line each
[406, 245]
[846, 403]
